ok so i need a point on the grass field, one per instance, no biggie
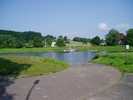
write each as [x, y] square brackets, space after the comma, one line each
[29, 66]
[121, 61]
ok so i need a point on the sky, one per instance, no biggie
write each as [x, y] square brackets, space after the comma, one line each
[85, 18]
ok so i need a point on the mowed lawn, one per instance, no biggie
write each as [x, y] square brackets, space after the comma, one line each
[23, 66]
[122, 61]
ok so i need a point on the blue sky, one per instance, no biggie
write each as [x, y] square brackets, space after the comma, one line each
[85, 18]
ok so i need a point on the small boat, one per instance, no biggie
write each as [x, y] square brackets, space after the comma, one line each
[69, 50]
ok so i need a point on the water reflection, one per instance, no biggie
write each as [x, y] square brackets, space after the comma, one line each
[71, 57]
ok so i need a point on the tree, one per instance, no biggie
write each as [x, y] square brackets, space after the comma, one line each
[96, 40]
[83, 40]
[112, 37]
[13, 39]
[29, 44]
[60, 42]
[130, 37]
[48, 39]
[37, 42]
[8, 41]
[77, 39]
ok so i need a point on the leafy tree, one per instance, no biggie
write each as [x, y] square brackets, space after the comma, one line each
[78, 39]
[30, 35]
[48, 40]
[9, 42]
[130, 37]
[37, 42]
[29, 44]
[83, 40]
[60, 42]
[13, 39]
[96, 40]
[112, 37]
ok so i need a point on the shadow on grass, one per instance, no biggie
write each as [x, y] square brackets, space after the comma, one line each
[8, 72]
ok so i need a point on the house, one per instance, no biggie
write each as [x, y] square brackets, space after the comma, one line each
[53, 44]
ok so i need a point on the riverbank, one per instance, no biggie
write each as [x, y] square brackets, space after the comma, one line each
[105, 48]
[120, 60]
[61, 49]
[23, 66]
[21, 50]
[115, 52]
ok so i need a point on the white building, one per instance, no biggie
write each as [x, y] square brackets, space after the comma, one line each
[53, 44]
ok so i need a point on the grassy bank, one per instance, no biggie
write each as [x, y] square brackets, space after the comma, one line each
[29, 66]
[19, 50]
[59, 49]
[104, 48]
[119, 60]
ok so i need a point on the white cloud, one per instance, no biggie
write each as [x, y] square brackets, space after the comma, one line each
[103, 27]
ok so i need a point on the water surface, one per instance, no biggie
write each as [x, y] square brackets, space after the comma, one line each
[69, 57]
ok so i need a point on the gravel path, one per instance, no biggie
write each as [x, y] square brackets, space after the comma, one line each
[123, 90]
[79, 82]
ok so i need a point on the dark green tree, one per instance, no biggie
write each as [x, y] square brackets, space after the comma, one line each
[83, 40]
[13, 39]
[48, 39]
[130, 37]
[60, 42]
[8, 41]
[112, 38]
[96, 40]
[37, 42]
[29, 44]
[77, 39]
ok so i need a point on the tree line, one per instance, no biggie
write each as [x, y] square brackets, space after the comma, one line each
[114, 37]
[30, 39]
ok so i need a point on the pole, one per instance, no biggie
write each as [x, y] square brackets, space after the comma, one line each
[45, 43]
[126, 54]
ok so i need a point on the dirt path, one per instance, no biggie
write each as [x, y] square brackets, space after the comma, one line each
[123, 90]
[79, 82]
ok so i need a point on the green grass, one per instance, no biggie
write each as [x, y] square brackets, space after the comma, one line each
[29, 66]
[104, 48]
[40, 66]
[77, 45]
[19, 50]
[118, 60]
